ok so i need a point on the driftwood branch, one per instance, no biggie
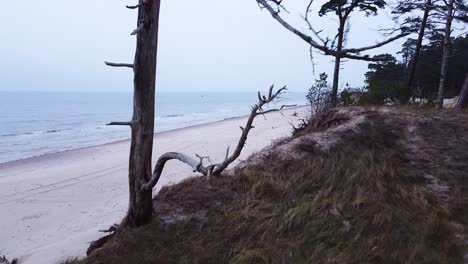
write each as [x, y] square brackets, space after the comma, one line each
[196, 166]
[113, 64]
[216, 169]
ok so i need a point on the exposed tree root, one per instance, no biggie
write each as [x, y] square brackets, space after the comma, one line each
[97, 244]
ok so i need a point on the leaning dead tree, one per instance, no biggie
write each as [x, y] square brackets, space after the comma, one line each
[217, 168]
[332, 47]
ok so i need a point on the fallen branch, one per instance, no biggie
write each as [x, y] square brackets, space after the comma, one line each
[216, 169]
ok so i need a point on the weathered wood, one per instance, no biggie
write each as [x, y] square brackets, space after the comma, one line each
[141, 149]
[216, 169]
[445, 57]
[119, 124]
[113, 64]
[462, 101]
[138, 29]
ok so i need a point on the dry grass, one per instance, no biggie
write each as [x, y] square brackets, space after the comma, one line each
[362, 201]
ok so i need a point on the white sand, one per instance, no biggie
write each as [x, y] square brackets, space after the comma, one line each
[52, 206]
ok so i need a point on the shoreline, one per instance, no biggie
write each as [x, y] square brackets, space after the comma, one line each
[57, 202]
[12, 163]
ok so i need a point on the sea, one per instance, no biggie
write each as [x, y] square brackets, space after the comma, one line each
[38, 123]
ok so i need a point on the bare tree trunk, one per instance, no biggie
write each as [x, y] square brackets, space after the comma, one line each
[417, 51]
[462, 101]
[142, 124]
[446, 54]
[336, 72]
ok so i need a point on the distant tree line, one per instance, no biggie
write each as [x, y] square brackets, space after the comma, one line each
[387, 80]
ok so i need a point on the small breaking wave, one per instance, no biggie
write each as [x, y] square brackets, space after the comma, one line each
[177, 115]
[33, 133]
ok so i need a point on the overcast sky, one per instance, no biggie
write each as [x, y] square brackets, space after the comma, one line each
[208, 45]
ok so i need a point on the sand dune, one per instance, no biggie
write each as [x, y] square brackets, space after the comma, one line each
[52, 206]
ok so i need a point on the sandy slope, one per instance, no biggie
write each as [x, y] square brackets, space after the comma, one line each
[52, 206]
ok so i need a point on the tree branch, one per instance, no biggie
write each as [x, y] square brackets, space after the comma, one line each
[308, 39]
[158, 169]
[345, 53]
[215, 169]
[378, 45]
[138, 29]
[134, 6]
[113, 64]
[119, 124]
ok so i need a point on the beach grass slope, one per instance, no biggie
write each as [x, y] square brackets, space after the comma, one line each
[357, 185]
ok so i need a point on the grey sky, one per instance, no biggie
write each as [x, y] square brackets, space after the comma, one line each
[209, 45]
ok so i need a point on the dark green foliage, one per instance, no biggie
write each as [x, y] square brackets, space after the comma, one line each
[428, 72]
[370, 7]
[350, 96]
[410, 12]
[386, 82]
[408, 50]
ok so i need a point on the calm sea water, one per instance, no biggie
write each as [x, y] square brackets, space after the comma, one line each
[37, 123]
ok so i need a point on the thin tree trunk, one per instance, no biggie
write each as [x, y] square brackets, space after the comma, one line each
[336, 73]
[462, 101]
[140, 170]
[446, 54]
[419, 44]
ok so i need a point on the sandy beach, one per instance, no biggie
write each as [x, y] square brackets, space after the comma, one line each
[52, 206]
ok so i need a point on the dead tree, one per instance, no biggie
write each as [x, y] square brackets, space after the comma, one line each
[142, 124]
[198, 165]
[462, 101]
[335, 47]
[446, 54]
